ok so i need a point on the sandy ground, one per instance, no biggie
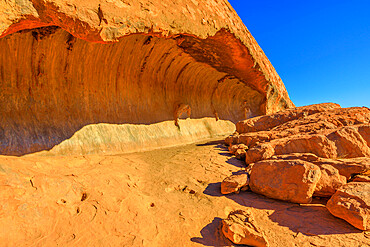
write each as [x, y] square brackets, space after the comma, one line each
[166, 197]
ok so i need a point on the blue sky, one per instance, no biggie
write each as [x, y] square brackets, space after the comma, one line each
[320, 49]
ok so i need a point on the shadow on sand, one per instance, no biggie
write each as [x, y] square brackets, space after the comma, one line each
[216, 143]
[212, 235]
[223, 150]
[308, 219]
[213, 189]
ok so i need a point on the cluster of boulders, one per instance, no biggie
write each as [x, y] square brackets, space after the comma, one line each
[318, 150]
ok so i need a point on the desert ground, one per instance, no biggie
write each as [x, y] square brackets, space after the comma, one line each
[165, 197]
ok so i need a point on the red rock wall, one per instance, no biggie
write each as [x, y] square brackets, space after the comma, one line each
[66, 65]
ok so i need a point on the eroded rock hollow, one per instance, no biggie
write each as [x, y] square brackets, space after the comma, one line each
[65, 66]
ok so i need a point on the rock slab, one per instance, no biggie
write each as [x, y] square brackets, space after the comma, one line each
[291, 180]
[329, 182]
[235, 183]
[241, 228]
[352, 203]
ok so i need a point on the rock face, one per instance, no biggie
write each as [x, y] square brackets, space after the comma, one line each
[66, 65]
[241, 228]
[292, 180]
[352, 203]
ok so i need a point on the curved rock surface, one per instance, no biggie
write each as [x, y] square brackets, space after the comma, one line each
[65, 65]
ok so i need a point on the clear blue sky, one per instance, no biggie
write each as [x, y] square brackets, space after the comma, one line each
[320, 49]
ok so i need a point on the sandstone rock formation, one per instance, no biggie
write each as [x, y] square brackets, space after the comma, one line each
[330, 181]
[235, 183]
[267, 122]
[240, 228]
[105, 76]
[234, 148]
[352, 203]
[239, 151]
[345, 167]
[292, 180]
[311, 150]
[328, 133]
[66, 65]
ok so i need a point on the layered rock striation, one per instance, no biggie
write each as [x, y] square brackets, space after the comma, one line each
[67, 65]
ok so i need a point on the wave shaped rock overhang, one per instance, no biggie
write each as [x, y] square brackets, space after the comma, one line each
[66, 65]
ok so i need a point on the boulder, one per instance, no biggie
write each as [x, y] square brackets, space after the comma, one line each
[350, 141]
[260, 152]
[268, 122]
[241, 228]
[235, 183]
[288, 180]
[253, 138]
[238, 150]
[345, 167]
[329, 182]
[234, 148]
[297, 156]
[324, 130]
[232, 139]
[352, 203]
[316, 144]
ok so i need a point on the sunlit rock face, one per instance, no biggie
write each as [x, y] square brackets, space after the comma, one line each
[64, 66]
